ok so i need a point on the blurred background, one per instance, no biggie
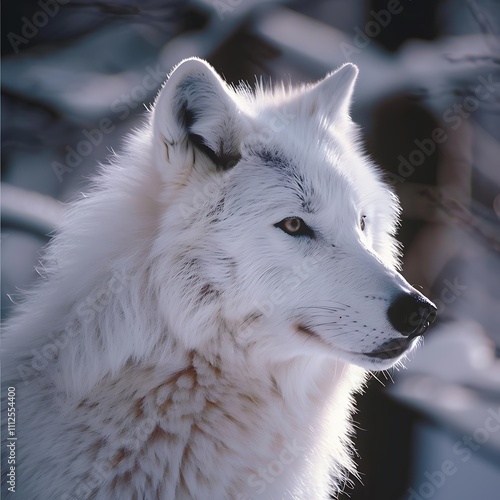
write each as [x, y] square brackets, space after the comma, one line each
[78, 75]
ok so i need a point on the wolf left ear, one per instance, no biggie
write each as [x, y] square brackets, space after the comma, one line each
[196, 107]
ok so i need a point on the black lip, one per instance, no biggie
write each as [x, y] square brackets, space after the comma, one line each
[391, 349]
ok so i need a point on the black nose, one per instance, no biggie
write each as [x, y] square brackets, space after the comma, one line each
[411, 314]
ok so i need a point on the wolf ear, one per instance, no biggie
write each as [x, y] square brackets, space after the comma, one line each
[197, 108]
[333, 94]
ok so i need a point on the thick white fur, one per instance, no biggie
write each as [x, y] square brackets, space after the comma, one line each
[182, 346]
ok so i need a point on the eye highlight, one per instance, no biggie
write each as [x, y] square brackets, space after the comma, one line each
[362, 222]
[295, 226]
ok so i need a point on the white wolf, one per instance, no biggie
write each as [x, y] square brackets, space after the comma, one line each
[208, 310]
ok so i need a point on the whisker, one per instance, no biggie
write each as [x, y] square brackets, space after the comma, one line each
[325, 308]
[331, 323]
[337, 335]
[331, 302]
[377, 379]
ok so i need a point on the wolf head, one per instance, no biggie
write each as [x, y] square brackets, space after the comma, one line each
[277, 234]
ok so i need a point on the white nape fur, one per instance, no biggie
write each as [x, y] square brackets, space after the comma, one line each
[185, 342]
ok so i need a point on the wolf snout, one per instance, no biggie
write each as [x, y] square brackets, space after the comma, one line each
[411, 314]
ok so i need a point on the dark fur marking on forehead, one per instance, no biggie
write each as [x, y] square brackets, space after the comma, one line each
[272, 158]
[303, 189]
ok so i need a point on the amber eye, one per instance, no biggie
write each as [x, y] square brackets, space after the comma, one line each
[292, 225]
[362, 222]
[295, 226]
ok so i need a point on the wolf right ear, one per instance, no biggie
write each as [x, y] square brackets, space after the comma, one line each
[333, 94]
[196, 108]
